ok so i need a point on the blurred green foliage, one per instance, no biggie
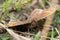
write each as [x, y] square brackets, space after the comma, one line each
[52, 34]
[4, 36]
[21, 3]
[43, 4]
[6, 5]
[57, 18]
[15, 4]
[37, 36]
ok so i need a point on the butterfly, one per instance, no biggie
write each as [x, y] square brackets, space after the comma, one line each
[36, 15]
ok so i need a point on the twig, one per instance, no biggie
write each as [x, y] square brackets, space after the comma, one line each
[46, 27]
[25, 33]
[48, 22]
[57, 31]
[49, 37]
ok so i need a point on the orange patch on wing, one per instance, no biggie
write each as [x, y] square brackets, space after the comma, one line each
[10, 24]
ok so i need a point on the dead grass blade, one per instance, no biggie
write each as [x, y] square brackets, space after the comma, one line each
[13, 34]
